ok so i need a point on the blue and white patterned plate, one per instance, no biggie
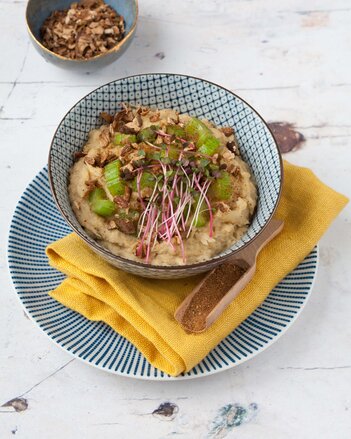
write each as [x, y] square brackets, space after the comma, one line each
[37, 222]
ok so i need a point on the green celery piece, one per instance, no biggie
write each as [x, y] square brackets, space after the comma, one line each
[104, 207]
[209, 146]
[116, 187]
[121, 139]
[99, 204]
[147, 134]
[175, 130]
[202, 135]
[222, 187]
[197, 130]
[114, 183]
[112, 170]
[97, 194]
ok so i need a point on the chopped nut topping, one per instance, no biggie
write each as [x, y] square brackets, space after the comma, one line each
[127, 168]
[233, 148]
[126, 226]
[176, 118]
[236, 172]
[106, 117]
[134, 125]
[105, 137]
[126, 129]
[223, 207]
[125, 150]
[90, 184]
[189, 147]
[111, 225]
[111, 129]
[87, 29]
[89, 161]
[139, 120]
[227, 131]
[103, 157]
[121, 119]
[79, 154]
[155, 117]
[144, 111]
[123, 200]
[110, 158]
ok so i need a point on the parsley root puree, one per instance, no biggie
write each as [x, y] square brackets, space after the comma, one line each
[163, 188]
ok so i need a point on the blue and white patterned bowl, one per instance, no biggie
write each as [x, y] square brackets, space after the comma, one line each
[186, 94]
[38, 10]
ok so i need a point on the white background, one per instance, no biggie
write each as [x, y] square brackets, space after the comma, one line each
[291, 60]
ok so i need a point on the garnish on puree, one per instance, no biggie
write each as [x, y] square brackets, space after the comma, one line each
[162, 187]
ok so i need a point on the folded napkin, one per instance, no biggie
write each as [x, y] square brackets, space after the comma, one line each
[142, 309]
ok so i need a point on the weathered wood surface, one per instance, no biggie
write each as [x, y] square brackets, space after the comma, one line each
[291, 60]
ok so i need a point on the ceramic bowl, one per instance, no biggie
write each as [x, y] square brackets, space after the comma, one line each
[38, 10]
[185, 94]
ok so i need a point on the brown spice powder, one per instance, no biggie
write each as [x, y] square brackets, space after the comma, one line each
[211, 292]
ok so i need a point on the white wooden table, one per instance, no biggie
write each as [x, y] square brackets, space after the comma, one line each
[291, 60]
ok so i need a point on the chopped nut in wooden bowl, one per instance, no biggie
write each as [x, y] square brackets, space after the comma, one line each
[87, 29]
[86, 34]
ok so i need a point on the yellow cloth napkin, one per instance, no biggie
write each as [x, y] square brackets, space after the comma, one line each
[142, 309]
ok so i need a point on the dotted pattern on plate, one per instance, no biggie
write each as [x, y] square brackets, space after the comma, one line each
[37, 222]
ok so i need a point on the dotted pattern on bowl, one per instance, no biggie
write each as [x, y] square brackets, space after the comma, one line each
[187, 95]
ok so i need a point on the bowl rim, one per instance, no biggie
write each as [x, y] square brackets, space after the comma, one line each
[163, 268]
[82, 61]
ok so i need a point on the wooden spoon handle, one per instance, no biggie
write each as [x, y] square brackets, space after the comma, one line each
[249, 253]
[204, 305]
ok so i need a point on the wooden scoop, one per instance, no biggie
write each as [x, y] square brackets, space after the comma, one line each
[223, 284]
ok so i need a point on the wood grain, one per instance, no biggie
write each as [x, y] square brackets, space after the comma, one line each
[291, 61]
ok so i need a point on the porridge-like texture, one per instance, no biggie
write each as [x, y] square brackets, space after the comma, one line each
[163, 188]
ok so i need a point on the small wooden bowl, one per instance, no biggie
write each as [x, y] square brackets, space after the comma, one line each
[38, 10]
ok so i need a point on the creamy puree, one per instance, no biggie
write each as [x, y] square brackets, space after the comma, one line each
[231, 218]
